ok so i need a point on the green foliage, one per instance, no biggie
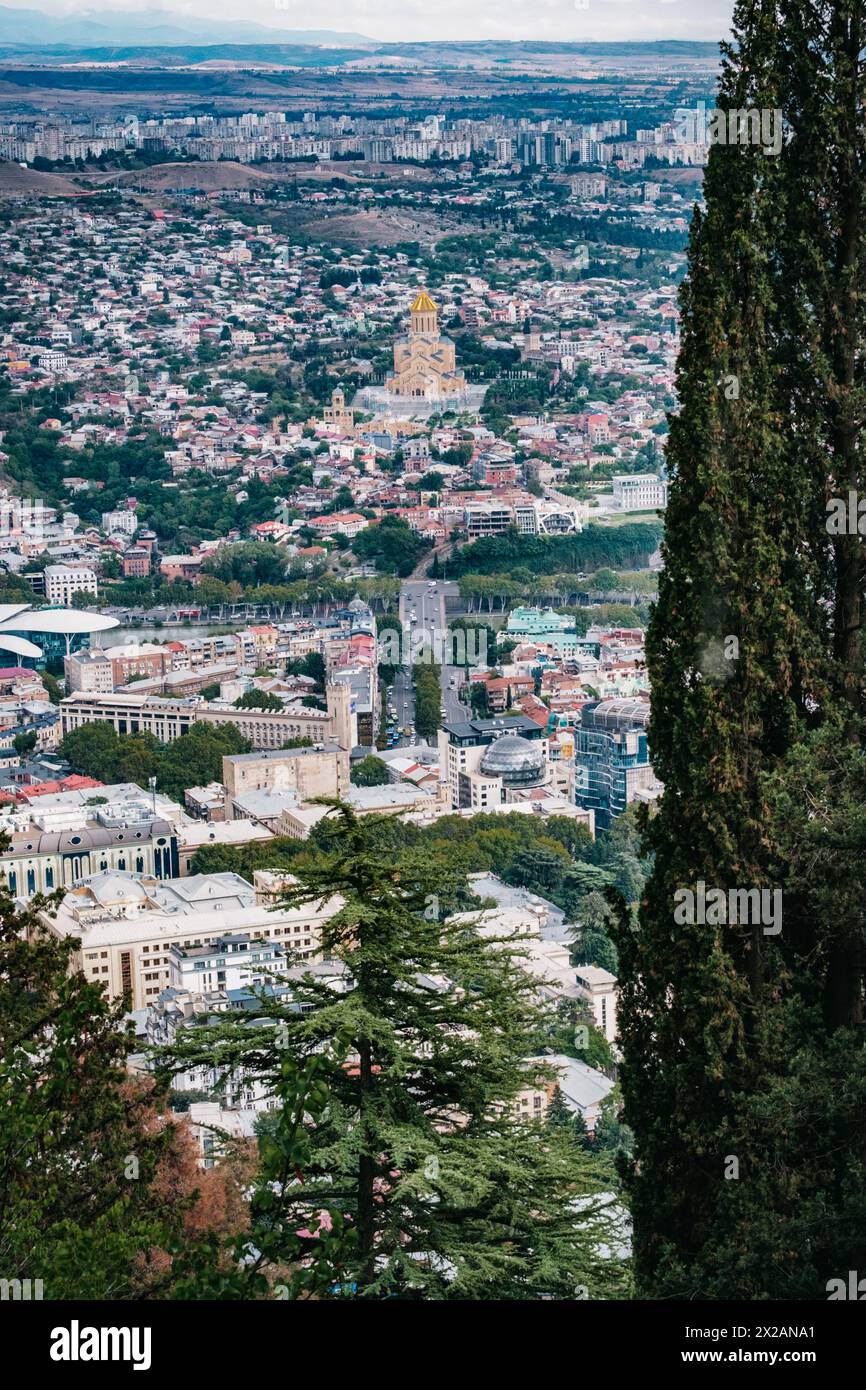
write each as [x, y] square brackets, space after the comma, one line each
[488, 1207]
[479, 641]
[52, 686]
[595, 947]
[391, 545]
[738, 1042]
[567, 1122]
[250, 564]
[427, 685]
[289, 1251]
[80, 1146]
[277, 853]
[612, 1135]
[258, 699]
[369, 772]
[311, 665]
[619, 547]
[478, 702]
[389, 623]
[560, 1035]
[192, 760]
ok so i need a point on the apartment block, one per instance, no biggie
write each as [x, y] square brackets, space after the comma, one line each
[62, 581]
[88, 673]
[167, 720]
[125, 926]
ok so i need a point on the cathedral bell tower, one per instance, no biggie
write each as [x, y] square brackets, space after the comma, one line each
[425, 366]
[424, 317]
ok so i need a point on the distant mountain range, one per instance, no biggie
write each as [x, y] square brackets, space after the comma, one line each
[97, 28]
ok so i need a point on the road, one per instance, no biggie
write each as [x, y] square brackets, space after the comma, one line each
[425, 601]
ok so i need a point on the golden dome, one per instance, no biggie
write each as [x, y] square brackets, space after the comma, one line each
[424, 304]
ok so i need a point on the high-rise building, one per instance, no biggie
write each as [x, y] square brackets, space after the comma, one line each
[611, 758]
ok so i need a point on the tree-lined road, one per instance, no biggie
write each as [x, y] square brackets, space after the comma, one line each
[424, 601]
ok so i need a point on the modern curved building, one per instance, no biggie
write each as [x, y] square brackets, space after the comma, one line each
[40, 636]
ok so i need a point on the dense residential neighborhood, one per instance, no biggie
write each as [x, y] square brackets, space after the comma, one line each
[377, 525]
[294, 531]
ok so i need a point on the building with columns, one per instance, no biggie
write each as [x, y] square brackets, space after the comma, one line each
[58, 846]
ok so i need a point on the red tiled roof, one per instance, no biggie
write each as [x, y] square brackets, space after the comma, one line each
[73, 783]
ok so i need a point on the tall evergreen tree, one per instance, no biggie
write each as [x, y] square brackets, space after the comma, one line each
[419, 1159]
[823, 266]
[732, 1036]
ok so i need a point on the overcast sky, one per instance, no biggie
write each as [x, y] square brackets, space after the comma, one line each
[451, 19]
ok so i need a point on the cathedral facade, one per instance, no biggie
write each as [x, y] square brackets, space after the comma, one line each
[425, 364]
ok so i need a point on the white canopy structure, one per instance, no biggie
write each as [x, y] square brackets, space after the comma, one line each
[18, 646]
[16, 618]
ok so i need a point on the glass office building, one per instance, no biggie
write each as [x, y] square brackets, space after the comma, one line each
[611, 757]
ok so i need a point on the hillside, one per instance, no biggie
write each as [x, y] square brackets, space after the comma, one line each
[164, 178]
[15, 181]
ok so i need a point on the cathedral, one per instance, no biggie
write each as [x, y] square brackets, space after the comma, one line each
[425, 364]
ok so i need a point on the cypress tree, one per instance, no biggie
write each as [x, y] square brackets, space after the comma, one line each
[823, 264]
[736, 661]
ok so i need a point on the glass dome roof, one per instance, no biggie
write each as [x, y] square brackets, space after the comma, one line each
[514, 759]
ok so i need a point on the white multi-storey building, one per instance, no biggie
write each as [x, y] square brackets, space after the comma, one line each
[53, 361]
[599, 987]
[62, 581]
[639, 492]
[548, 518]
[126, 926]
[122, 520]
